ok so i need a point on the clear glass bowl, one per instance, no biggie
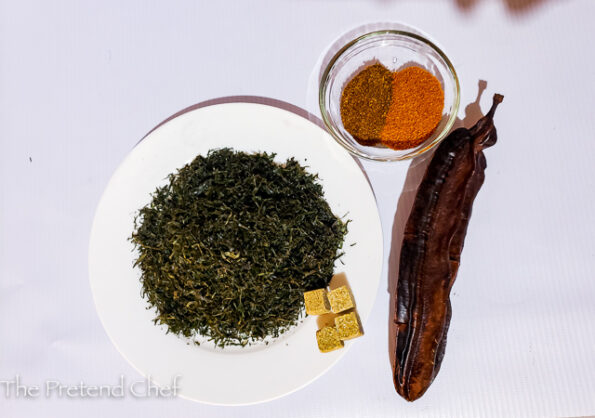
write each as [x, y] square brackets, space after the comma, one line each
[393, 49]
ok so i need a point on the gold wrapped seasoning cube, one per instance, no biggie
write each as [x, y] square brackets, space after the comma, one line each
[328, 339]
[316, 302]
[340, 299]
[348, 326]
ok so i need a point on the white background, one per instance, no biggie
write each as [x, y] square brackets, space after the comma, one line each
[82, 82]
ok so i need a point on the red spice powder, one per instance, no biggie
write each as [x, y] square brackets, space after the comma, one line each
[415, 110]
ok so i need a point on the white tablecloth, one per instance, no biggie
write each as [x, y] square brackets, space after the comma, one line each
[82, 82]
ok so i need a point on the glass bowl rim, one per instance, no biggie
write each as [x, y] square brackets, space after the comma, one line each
[322, 89]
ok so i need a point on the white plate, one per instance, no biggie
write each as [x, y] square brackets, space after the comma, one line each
[240, 376]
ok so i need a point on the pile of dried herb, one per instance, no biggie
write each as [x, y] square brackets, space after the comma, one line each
[230, 244]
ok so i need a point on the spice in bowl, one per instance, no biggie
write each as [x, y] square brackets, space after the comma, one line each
[399, 110]
[365, 103]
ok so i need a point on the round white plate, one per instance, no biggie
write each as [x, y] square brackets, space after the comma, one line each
[237, 376]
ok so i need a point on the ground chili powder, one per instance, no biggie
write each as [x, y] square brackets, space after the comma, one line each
[415, 110]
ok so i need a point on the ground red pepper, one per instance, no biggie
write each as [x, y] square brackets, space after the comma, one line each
[415, 110]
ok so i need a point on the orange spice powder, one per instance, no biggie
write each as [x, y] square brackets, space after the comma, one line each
[415, 110]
